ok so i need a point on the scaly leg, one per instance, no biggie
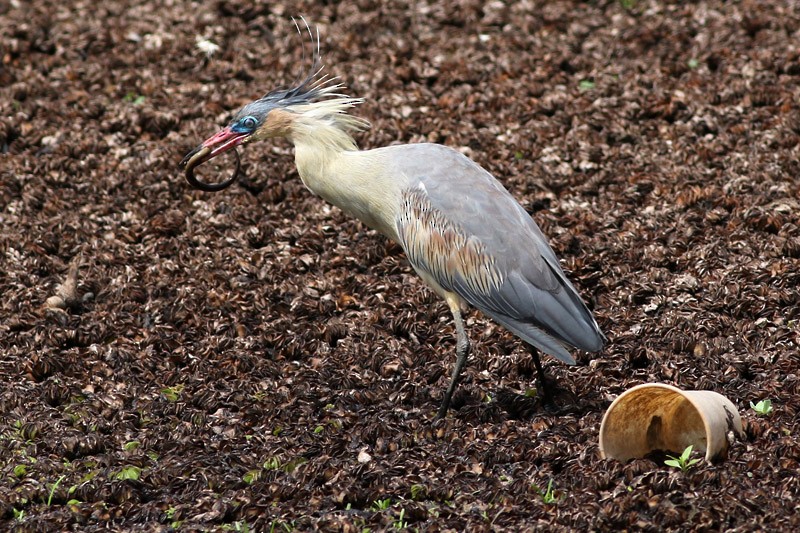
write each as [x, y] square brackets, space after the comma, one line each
[462, 351]
[547, 393]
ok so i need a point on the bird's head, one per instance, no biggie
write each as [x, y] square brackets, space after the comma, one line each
[272, 115]
[265, 118]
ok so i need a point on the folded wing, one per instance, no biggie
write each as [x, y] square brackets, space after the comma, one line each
[463, 229]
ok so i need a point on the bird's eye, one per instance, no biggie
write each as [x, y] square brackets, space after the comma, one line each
[249, 122]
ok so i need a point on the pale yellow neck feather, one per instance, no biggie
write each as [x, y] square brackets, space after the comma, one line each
[352, 180]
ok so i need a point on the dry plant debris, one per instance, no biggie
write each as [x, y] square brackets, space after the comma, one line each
[255, 359]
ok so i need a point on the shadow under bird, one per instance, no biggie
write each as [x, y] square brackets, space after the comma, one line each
[462, 231]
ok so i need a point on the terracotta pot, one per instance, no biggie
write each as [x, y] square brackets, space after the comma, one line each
[659, 417]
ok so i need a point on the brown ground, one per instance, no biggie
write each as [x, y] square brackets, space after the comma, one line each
[255, 359]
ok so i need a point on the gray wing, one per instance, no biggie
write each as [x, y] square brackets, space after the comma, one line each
[460, 226]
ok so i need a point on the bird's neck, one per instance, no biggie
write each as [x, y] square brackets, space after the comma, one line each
[331, 166]
[319, 146]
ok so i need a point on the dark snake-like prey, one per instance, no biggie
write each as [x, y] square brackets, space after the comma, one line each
[199, 156]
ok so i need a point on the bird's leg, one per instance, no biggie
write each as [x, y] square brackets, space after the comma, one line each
[462, 351]
[547, 393]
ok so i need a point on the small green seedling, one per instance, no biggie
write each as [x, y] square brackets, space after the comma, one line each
[382, 505]
[683, 462]
[273, 463]
[288, 527]
[548, 496]
[172, 394]
[251, 476]
[53, 490]
[400, 523]
[240, 526]
[133, 98]
[762, 408]
[129, 473]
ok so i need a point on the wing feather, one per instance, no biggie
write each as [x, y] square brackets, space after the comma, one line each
[463, 229]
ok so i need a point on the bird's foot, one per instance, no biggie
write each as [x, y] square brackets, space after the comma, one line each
[556, 400]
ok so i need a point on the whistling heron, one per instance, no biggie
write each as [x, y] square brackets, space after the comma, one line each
[462, 231]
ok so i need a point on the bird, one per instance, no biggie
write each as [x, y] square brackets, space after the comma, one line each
[464, 234]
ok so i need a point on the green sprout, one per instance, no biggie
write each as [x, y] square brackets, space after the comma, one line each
[418, 492]
[53, 490]
[585, 85]
[382, 505]
[240, 526]
[133, 98]
[129, 472]
[170, 514]
[400, 523]
[172, 394]
[683, 462]
[288, 527]
[549, 495]
[273, 463]
[251, 476]
[762, 408]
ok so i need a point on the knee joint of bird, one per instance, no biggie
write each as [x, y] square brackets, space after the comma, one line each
[463, 346]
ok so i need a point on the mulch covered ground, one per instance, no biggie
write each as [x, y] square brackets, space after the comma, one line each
[255, 360]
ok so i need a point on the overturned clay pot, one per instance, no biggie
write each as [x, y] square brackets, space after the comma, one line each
[658, 417]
